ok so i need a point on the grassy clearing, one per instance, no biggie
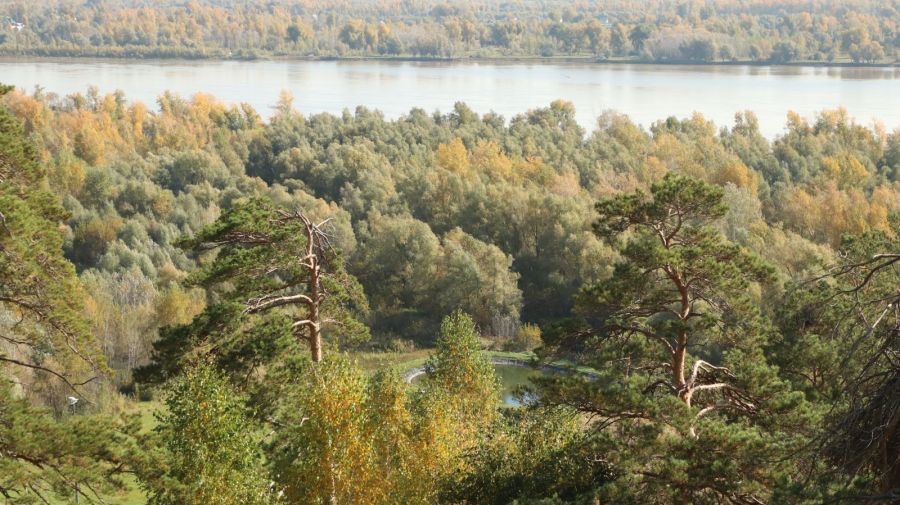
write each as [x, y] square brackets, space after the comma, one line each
[371, 362]
[146, 412]
[132, 493]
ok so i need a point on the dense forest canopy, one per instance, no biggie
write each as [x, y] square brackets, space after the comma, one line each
[727, 301]
[858, 31]
[431, 212]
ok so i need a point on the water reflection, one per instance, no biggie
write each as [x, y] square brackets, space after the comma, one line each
[512, 379]
[647, 93]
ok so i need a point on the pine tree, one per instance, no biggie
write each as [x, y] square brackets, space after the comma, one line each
[278, 284]
[44, 342]
[689, 408]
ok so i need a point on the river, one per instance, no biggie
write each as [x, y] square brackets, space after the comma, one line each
[645, 92]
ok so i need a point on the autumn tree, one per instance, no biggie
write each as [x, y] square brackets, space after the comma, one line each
[458, 368]
[321, 452]
[340, 437]
[456, 406]
[532, 454]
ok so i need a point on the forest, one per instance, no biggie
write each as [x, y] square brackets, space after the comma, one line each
[718, 31]
[229, 300]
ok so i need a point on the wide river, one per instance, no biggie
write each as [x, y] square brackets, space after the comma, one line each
[645, 92]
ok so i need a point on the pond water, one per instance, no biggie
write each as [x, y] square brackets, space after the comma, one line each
[511, 377]
[646, 93]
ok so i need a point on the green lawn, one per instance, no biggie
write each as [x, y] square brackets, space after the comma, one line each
[374, 361]
[133, 494]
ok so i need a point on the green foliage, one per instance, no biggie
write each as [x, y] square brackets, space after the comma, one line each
[260, 257]
[209, 447]
[678, 277]
[44, 457]
[684, 401]
[46, 350]
[39, 288]
[460, 370]
[240, 345]
[532, 455]
[260, 252]
[837, 342]
[438, 212]
[421, 278]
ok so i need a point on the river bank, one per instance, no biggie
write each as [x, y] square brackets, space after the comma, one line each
[494, 60]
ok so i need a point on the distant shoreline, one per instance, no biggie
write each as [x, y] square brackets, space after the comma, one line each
[462, 60]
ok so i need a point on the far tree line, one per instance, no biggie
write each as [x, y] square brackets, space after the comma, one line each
[861, 31]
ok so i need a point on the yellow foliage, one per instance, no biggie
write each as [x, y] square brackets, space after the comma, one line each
[845, 170]
[651, 170]
[738, 174]
[162, 204]
[796, 122]
[137, 114]
[177, 306]
[169, 274]
[566, 184]
[887, 197]
[108, 105]
[529, 336]
[488, 158]
[878, 218]
[841, 212]
[533, 169]
[799, 210]
[338, 463]
[677, 156]
[700, 123]
[68, 175]
[453, 157]
[29, 110]
[89, 145]
[834, 118]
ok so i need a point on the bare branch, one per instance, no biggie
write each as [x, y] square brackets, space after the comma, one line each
[71, 385]
[266, 302]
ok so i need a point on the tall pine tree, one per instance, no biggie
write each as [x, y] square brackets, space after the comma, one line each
[690, 410]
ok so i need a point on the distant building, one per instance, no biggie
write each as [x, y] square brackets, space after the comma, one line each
[12, 24]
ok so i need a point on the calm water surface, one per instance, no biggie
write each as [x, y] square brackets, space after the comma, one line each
[645, 92]
[511, 379]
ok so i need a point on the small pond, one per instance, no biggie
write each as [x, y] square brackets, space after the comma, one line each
[510, 376]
